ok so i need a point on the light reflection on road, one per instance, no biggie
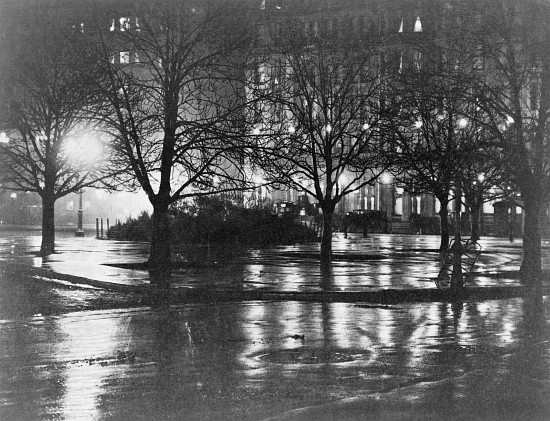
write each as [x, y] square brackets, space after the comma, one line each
[360, 264]
[219, 359]
[257, 359]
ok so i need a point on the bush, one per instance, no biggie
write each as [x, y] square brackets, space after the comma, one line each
[217, 221]
[138, 229]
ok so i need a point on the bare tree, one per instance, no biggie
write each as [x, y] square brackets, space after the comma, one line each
[483, 174]
[51, 139]
[172, 80]
[444, 144]
[516, 94]
[430, 132]
[317, 126]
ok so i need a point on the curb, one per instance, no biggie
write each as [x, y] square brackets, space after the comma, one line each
[189, 295]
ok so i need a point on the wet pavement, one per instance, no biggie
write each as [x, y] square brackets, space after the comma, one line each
[70, 350]
[374, 263]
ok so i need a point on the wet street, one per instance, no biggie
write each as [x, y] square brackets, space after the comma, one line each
[77, 352]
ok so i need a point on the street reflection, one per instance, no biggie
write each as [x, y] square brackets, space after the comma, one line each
[91, 355]
[222, 358]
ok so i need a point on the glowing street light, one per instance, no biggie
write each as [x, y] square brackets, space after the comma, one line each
[386, 178]
[85, 151]
[462, 122]
[80, 216]
[342, 180]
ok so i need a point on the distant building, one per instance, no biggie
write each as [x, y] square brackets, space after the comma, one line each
[24, 208]
[399, 19]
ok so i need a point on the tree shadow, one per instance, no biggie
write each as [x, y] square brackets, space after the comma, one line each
[327, 276]
[160, 295]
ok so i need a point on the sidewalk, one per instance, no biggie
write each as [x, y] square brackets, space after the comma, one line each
[381, 268]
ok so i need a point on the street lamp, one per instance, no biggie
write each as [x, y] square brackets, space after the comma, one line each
[342, 183]
[479, 198]
[84, 152]
[386, 180]
[258, 181]
[79, 231]
[457, 277]
[462, 122]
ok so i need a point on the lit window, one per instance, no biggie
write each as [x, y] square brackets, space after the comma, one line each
[418, 25]
[534, 96]
[137, 25]
[136, 57]
[401, 26]
[13, 196]
[124, 57]
[113, 26]
[86, 205]
[69, 205]
[124, 24]
[417, 60]
[398, 210]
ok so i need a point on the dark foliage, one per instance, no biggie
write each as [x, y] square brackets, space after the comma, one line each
[365, 221]
[218, 221]
[424, 224]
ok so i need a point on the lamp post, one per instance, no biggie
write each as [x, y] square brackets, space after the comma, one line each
[79, 231]
[457, 277]
[386, 180]
[342, 183]
[84, 152]
[479, 198]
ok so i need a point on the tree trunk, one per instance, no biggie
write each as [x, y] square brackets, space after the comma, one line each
[445, 235]
[326, 241]
[457, 277]
[159, 256]
[531, 265]
[48, 225]
[327, 277]
[475, 222]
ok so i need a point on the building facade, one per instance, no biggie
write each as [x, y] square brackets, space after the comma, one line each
[408, 29]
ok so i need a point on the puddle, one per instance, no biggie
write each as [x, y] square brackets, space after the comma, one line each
[312, 356]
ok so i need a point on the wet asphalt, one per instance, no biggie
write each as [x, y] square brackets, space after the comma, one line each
[78, 350]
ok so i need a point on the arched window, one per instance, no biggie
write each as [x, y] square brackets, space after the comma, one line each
[418, 25]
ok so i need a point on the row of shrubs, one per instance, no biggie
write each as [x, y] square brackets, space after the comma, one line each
[214, 220]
